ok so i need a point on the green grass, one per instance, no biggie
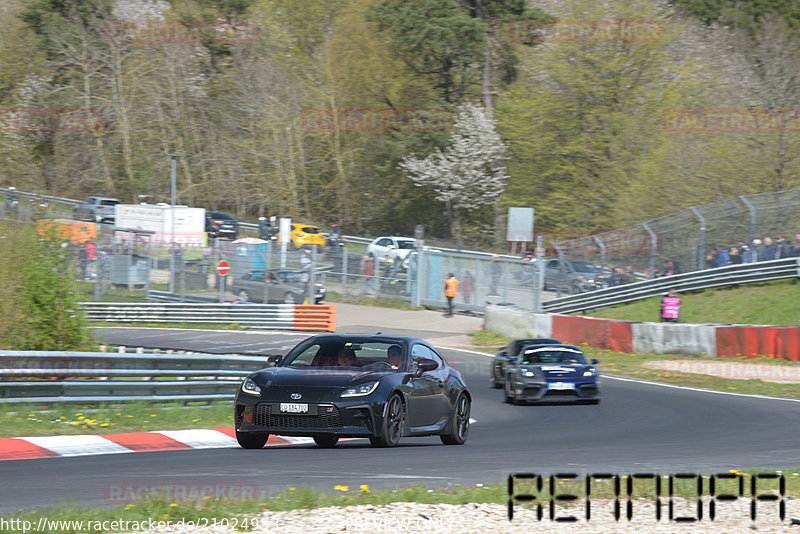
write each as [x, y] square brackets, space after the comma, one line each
[158, 506]
[63, 419]
[772, 303]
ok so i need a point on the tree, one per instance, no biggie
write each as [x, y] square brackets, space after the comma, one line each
[39, 301]
[470, 172]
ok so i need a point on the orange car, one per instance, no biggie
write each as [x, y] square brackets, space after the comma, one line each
[305, 234]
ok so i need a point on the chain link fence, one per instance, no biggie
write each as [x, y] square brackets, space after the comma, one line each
[686, 237]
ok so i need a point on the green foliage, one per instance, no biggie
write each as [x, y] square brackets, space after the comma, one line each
[741, 15]
[39, 298]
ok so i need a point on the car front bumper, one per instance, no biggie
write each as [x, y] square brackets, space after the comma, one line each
[551, 390]
[358, 417]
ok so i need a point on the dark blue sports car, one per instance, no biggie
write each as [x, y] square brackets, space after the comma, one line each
[332, 386]
[552, 373]
[509, 355]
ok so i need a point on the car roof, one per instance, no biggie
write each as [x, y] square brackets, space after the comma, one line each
[105, 198]
[219, 215]
[385, 338]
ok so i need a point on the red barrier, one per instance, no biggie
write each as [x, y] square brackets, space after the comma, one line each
[752, 341]
[599, 333]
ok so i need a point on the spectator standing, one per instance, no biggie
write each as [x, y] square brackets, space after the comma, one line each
[369, 273]
[735, 257]
[630, 276]
[468, 287]
[769, 250]
[781, 248]
[723, 257]
[711, 258]
[794, 251]
[450, 291]
[756, 252]
[669, 268]
[670, 307]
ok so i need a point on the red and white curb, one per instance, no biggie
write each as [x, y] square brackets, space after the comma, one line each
[53, 446]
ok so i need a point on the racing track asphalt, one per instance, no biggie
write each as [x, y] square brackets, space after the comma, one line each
[638, 427]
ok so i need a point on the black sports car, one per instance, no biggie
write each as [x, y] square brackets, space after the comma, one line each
[332, 385]
[552, 373]
[509, 354]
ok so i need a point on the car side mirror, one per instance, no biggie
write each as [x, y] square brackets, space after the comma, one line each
[595, 361]
[512, 360]
[425, 364]
[274, 360]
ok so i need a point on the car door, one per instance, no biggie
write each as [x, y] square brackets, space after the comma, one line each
[427, 390]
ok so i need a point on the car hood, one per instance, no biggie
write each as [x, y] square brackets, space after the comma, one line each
[315, 377]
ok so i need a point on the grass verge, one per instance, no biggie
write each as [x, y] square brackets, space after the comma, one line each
[768, 303]
[58, 419]
[161, 505]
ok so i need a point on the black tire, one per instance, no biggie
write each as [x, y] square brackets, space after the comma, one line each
[290, 298]
[509, 396]
[393, 423]
[326, 441]
[495, 382]
[243, 296]
[459, 426]
[251, 440]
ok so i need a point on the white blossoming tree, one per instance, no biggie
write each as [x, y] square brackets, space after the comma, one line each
[469, 173]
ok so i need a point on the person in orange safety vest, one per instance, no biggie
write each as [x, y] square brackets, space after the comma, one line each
[450, 291]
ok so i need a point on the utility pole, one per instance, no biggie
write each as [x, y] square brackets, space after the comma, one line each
[174, 158]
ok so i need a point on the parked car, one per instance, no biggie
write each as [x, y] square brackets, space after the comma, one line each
[279, 286]
[394, 247]
[305, 234]
[508, 356]
[552, 373]
[565, 276]
[221, 225]
[96, 209]
[334, 386]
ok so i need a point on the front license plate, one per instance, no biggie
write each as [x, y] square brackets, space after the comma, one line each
[561, 385]
[290, 407]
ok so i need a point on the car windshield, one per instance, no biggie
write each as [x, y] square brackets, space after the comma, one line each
[310, 229]
[290, 277]
[352, 353]
[405, 244]
[586, 267]
[551, 355]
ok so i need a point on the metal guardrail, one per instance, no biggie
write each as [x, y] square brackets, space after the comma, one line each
[177, 297]
[710, 278]
[279, 316]
[49, 376]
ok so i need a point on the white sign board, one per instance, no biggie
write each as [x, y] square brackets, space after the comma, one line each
[520, 224]
[190, 223]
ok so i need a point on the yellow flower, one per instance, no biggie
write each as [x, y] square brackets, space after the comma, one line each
[292, 489]
[78, 414]
[103, 424]
[30, 415]
[174, 504]
[153, 415]
[364, 488]
[341, 488]
[79, 418]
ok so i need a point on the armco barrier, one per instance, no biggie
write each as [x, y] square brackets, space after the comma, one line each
[273, 316]
[750, 341]
[672, 338]
[600, 333]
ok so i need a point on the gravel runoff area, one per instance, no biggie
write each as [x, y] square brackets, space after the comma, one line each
[732, 517]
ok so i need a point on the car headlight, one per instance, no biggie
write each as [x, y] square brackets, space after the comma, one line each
[249, 386]
[590, 372]
[360, 390]
[527, 373]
